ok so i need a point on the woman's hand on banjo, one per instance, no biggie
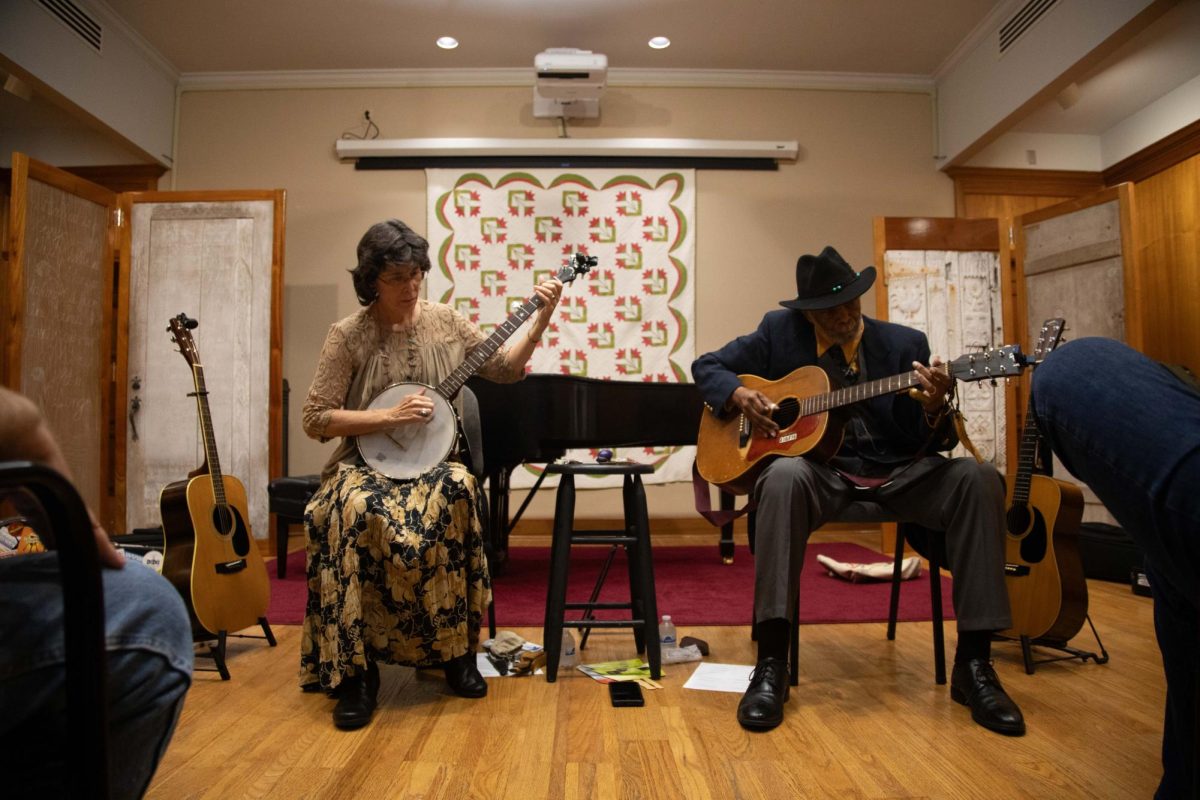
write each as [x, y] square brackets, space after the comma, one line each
[412, 408]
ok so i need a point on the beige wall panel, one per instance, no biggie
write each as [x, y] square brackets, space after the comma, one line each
[862, 154]
[64, 313]
[1090, 234]
[1074, 270]
[1090, 297]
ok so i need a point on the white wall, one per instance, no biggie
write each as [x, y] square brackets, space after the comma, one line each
[1042, 151]
[126, 86]
[862, 154]
[1164, 116]
[982, 88]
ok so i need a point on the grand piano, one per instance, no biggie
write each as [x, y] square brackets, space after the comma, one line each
[538, 419]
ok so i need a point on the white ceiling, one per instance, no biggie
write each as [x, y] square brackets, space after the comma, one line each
[879, 39]
[912, 37]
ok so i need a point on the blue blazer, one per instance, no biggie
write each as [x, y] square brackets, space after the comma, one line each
[785, 341]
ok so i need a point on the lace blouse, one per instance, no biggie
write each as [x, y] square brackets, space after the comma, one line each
[360, 357]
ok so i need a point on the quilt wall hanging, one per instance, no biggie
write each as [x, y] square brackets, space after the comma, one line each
[495, 233]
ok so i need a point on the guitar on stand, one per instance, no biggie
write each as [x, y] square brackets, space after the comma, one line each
[1043, 572]
[210, 555]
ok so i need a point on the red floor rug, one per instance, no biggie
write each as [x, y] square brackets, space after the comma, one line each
[692, 585]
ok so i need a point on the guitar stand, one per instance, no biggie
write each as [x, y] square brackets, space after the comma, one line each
[1031, 663]
[217, 651]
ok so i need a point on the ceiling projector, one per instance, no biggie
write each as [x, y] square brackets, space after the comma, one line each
[568, 83]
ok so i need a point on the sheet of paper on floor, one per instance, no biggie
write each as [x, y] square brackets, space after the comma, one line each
[720, 678]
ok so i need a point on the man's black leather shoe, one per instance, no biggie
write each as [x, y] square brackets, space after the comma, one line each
[974, 683]
[761, 707]
[356, 699]
[463, 676]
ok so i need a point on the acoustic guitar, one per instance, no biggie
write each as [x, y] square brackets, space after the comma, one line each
[729, 455]
[1047, 589]
[407, 451]
[210, 555]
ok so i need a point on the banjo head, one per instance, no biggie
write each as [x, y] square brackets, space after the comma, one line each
[406, 452]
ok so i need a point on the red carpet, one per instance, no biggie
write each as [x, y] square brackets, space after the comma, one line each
[693, 586]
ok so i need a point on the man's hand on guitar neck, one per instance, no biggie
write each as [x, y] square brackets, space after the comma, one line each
[758, 409]
[935, 383]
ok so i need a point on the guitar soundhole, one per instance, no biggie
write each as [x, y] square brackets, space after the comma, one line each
[1033, 546]
[787, 413]
[227, 521]
[1018, 520]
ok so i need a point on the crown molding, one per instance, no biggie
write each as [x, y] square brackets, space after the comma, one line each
[113, 20]
[440, 78]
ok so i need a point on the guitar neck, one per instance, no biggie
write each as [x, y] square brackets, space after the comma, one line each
[862, 391]
[455, 380]
[206, 430]
[1026, 458]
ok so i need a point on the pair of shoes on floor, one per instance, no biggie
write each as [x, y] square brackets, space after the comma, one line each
[462, 674]
[761, 707]
[974, 683]
[357, 696]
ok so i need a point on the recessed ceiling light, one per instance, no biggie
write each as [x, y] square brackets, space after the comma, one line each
[659, 42]
[447, 42]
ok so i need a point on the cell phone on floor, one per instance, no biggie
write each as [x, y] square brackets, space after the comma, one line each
[625, 693]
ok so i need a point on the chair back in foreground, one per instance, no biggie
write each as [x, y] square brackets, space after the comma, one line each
[62, 521]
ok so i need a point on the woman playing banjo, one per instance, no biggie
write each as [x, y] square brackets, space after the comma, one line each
[396, 571]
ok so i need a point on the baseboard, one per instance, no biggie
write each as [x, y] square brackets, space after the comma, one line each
[665, 530]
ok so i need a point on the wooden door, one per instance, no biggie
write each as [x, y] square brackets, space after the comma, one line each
[57, 324]
[1076, 260]
[218, 258]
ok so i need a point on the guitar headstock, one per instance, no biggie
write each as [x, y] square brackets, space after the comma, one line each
[1006, 361]
[576, 265]
[1048, 339]
[180, 327]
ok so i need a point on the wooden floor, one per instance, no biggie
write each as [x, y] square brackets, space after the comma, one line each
[867, 720]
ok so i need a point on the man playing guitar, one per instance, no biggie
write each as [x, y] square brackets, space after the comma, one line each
[887, 455]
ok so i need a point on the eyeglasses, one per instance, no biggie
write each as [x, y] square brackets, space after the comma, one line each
[395, 277]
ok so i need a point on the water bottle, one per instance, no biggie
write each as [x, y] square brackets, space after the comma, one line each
[666, 632]
[567, 657]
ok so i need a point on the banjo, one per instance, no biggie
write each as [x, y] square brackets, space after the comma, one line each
[407, 451]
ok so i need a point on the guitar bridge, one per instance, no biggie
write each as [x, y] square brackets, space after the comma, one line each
[230, 567]
[1016, 570]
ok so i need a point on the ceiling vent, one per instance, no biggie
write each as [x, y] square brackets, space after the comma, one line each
[77, 20]
[1021, 22]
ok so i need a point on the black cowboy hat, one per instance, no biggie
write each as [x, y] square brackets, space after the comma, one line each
[826, 281]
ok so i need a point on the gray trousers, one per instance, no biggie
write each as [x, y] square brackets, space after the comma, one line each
[961, 497]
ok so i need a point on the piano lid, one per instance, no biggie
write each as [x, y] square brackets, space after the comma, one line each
[537, 419]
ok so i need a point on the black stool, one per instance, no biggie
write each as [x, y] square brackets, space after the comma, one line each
[287, 498]
[636, 540]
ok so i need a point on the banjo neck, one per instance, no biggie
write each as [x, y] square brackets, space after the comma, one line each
[576, 265]
[455, 380]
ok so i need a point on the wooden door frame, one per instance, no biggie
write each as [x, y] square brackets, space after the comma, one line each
[12, 310]
[275, 405]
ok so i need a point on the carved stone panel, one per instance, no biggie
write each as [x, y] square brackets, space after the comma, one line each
[952, 297]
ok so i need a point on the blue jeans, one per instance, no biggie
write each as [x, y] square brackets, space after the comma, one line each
[1130, 429]
[149, 642]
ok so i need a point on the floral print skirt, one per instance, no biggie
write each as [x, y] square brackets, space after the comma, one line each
[396, 572]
